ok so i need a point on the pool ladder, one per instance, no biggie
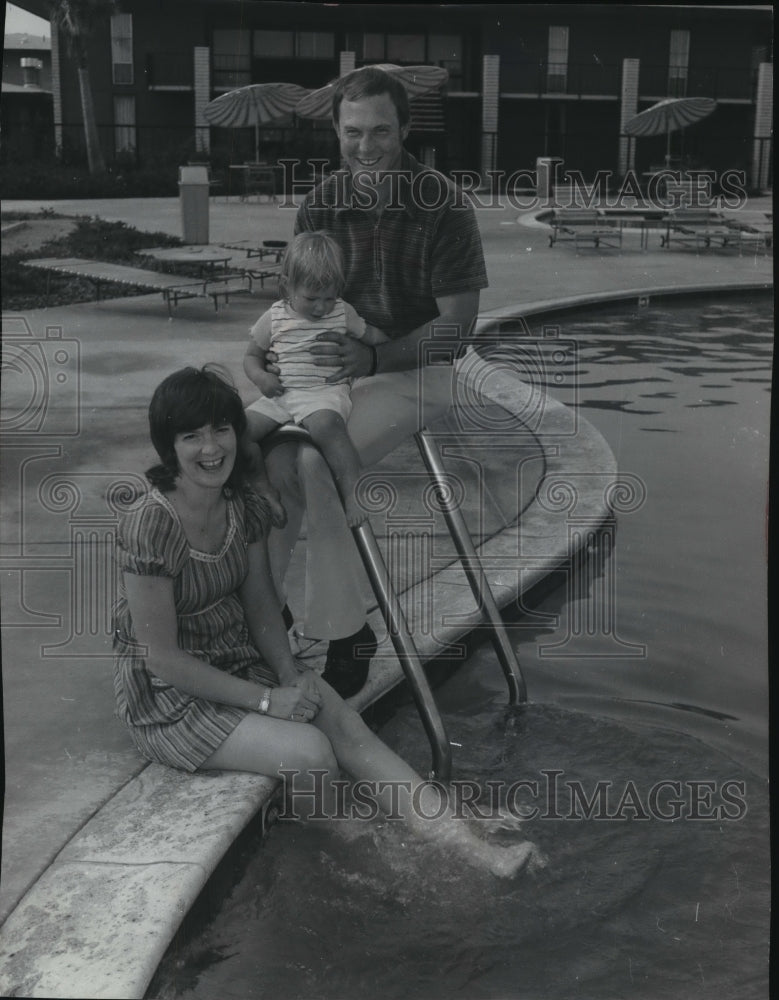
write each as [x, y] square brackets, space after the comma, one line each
[395, 620]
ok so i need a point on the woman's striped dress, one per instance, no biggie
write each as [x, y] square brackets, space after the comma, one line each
[168, 725]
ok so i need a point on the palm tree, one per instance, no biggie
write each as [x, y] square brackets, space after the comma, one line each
[75, 19]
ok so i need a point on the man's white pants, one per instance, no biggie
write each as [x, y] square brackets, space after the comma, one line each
[386, 410]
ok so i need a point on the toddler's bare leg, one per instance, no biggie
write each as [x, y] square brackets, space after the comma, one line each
[328, 430]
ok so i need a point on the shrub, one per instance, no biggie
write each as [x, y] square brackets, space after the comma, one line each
[95, 239]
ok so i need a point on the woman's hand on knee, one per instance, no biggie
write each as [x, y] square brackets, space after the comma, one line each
[299, 702]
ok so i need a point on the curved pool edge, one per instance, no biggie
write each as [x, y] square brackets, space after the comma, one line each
[642, 295]
[100, 918]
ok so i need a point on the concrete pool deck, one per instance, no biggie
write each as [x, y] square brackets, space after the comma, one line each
[103, 854]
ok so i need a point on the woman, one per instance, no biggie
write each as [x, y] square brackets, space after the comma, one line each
[204, 675]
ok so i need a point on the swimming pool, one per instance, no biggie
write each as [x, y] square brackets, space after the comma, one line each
[644, 769]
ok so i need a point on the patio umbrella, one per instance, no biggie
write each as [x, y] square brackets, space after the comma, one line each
[416, 79]
[668, 116]
[254, 105]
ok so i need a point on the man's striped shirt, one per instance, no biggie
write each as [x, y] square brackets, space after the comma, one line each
[424, 244]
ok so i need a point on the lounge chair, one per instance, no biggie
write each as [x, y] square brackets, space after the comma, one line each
[268, 248]
[585, 226]
[268, 258]
[698, 227]
[757, 234]
[173, 287]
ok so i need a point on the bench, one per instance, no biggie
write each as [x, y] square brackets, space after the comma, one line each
[173, 287]
[585, 226]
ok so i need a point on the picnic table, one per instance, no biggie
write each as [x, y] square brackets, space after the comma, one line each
[201, 257]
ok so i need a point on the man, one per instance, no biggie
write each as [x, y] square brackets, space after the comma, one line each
[414, 269]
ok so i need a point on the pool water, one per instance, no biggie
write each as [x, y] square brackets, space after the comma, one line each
[644, 761]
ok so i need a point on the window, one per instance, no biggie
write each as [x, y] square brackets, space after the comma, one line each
[447, 51]
[557, 60]
[373, 47]
[232, 60]
[678, 62]
[122, 47]
[368, 47]
[405, 48]
[274, 44]
[124, 124]
[438, 50]
[315, 45]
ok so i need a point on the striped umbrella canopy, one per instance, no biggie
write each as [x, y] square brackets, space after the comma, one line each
[668, 116]
[255, 105]
[416, 79]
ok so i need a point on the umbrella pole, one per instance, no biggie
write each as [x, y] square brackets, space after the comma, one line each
[256, 143]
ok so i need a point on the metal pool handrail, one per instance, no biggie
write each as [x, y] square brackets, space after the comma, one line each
[395, 619]
[472, 566]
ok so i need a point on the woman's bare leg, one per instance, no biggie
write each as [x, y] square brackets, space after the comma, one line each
[264, 745]
[400, 789]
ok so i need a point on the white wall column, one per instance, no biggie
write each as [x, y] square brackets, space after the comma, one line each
[202, 77]
[56, 86]
[346, 63]
[626, 159]
[764, 118]
[490, 94]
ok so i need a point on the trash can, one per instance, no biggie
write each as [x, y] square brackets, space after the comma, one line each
[546, 176]
[193, 195]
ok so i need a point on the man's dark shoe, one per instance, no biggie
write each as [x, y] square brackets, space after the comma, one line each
[348, 660]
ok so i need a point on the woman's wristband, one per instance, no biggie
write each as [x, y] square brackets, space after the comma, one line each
[264, 703]
[374, 359]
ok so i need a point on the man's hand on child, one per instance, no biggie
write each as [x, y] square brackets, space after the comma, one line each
[272, 363]
[347, 354]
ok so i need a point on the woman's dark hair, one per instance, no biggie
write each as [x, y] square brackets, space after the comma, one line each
[188, 399]
[370, 81]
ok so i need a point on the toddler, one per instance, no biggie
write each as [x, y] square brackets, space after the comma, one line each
[311, 279]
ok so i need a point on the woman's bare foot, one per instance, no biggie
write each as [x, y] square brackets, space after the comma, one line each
[504, 861]
[502, 822]
[509, 861]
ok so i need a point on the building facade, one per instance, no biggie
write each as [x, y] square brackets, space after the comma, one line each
[26, 118]
[525, 80]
